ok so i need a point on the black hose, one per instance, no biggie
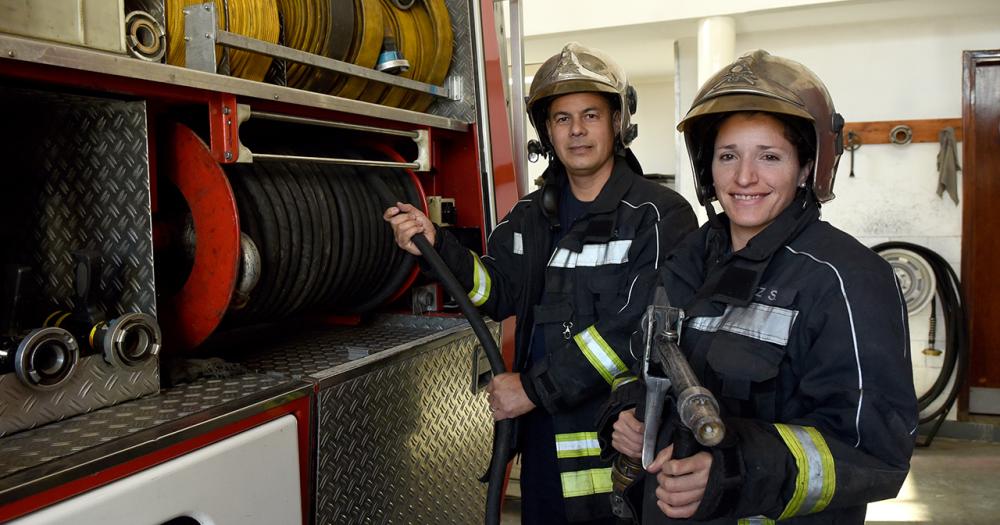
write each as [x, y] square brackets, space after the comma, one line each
[502, 430]
[956, 358]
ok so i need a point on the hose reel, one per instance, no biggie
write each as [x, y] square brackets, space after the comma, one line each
[351, 31]
[253, 18]
[916, 278]
[279, 237]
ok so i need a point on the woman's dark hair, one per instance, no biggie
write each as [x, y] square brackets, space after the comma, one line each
[797, 131]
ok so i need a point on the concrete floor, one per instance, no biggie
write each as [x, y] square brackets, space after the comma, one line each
[951, 482]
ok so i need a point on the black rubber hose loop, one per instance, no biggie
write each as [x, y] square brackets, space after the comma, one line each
[949, 291]
[293, 246]
[267, 244]
[321, 230]
[503, 429]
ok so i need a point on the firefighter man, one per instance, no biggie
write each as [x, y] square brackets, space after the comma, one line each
[575, 262]
[798, 329]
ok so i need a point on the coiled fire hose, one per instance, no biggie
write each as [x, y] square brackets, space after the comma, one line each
[502, 430]
[956, 353]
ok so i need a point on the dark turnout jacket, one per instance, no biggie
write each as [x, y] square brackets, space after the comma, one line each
[596, 282]
[802, 336]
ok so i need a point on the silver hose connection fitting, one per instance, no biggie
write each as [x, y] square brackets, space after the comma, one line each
[129, 340]
[46, 358]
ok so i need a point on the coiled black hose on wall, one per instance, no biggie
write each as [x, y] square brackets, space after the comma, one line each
[956, 353]
[321, 238]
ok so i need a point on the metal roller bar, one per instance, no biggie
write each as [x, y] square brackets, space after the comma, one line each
[201, 36]
[421, 137]
[331, 124]
[334, 160]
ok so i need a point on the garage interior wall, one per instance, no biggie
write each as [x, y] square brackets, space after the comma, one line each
[893, 68]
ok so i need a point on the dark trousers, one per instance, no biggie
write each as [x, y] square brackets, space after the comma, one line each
[541, 488]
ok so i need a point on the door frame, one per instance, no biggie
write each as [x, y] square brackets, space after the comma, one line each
[971, 60]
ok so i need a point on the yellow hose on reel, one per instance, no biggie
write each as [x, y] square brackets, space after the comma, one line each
[369, 28]
[423, 35]
[253, 18]
[440, 57]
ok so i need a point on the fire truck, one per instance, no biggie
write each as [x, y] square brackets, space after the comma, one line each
[205, 319]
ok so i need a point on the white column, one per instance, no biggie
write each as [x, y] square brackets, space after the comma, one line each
[716, 45]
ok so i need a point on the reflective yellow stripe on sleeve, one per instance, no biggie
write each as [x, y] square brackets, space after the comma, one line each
[621, 381]
[577, 445]
[817, 479]
[586, 482]
[481, 283]
[600, 354]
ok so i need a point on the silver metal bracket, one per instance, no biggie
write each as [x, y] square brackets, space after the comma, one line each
[200, 34]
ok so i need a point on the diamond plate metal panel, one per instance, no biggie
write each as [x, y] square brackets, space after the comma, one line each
[463, 66]
[38, 446]
[94, 384]
[315, 353]
[76, 176]
[405, 443]
[84, 183]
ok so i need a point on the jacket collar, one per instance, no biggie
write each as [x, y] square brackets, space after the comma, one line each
[802, 211]
[732, 278]
[623, 175]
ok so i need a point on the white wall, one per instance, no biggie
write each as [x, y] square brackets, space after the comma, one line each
[655, 117]
[883, 71]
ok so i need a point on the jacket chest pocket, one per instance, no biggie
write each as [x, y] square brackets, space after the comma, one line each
[746, 352]
[602, 289]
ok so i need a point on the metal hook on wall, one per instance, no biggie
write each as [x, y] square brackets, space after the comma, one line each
[853, 143]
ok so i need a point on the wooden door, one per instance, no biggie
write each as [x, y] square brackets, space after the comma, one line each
[981, 225]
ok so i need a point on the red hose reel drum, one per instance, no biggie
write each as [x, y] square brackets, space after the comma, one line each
[195, 311]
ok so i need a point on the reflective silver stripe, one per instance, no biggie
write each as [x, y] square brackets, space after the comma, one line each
[518, 244]
[614, 252]
[577, 445]
[816, 480]
[759, 321]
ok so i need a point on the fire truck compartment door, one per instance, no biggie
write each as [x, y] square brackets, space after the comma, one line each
[250, 478]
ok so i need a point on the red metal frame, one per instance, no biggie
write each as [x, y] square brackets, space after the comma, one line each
[300, 408]
[224, 128]
[193, 313]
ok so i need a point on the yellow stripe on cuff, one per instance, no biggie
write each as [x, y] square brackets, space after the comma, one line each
[481, 283]
[599, 353]
[586, 482]
[816, 480]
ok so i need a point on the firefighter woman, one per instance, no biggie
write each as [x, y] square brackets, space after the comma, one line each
[575, 262]
[799, 330]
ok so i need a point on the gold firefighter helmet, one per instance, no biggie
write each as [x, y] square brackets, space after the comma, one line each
[759, 81]
[579, 69]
